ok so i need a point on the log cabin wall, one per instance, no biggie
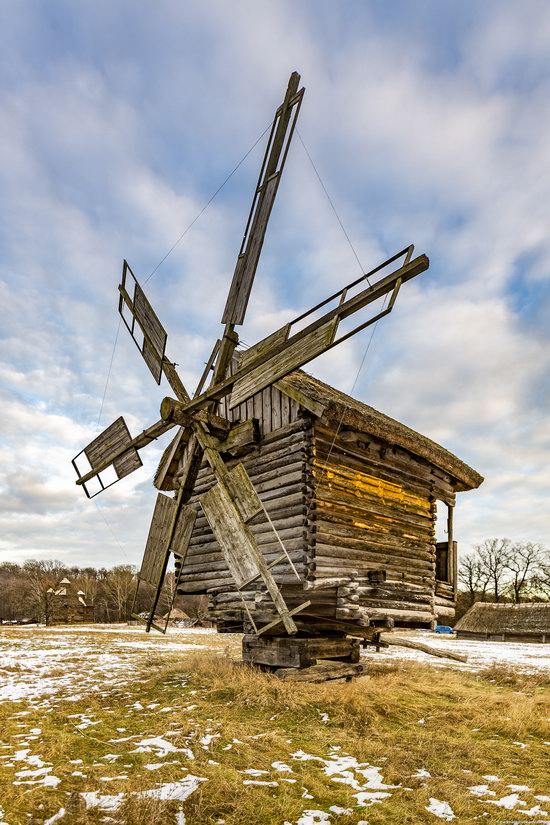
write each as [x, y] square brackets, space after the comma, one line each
[343, 502]
[278, 467]
[375, 511]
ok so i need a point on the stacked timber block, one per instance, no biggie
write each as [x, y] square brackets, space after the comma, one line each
[304, 659]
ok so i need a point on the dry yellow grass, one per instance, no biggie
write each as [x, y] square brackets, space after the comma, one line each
[459, 727]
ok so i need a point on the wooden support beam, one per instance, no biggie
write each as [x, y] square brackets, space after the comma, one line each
[398, 641]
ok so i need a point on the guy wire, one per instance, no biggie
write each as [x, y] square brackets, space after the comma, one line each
[181, 237]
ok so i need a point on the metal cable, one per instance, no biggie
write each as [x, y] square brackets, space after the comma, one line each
[369, 342]
[181, 237]
[207, 204]
[108, 374]
[331, 202]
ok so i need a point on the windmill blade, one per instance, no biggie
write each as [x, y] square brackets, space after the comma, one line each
[228, 506]
[170, 531]
[147, 331]
[115, 448]
[282, 352]
[112, 447]
[264, 196]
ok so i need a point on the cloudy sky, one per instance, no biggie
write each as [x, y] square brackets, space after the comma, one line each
[429, 123]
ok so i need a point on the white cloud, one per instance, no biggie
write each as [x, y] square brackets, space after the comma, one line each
[112, 145]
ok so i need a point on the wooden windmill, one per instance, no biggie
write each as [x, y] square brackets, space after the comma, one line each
[209, 433]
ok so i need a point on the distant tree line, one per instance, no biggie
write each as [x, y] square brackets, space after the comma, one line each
[24, 591]
[500, 570]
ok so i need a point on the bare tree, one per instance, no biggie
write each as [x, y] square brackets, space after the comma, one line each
[525, 564]
[473, 576]
[119, 586]
[540, 582]
[41, 576]
[494, 556]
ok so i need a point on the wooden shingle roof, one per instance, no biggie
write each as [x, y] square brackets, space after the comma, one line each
[358, 416]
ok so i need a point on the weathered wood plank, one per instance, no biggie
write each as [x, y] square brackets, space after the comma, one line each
[300, 397]
[247, 261]
[183, 530]
[241, 436]
[233, 537]
[156, 549]
[293, 356]
[243, 493]
[263, 347]
[149, 321]
[321, 672]
[108, 443]
[397, 641]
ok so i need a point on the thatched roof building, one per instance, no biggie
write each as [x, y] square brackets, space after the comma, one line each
[529, 622]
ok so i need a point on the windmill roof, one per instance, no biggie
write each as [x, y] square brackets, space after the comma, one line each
[349, 412]
[484, 617]
[359, 416]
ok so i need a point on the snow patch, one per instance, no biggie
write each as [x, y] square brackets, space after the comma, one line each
[441, 809]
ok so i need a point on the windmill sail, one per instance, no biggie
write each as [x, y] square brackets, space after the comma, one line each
[108, 450]
[149, 336]
[282, 130]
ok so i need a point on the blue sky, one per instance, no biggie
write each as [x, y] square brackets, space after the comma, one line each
[429, 123]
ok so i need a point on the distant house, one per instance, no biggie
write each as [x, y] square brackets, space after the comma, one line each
[177, 615]
[529, 622]
[67, 605]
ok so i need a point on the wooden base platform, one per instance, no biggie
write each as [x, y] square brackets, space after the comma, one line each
[283, 652]
[324, 670]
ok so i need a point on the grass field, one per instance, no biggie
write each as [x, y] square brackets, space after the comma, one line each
[111, 725]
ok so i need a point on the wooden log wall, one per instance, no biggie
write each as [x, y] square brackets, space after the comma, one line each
[344, 504]
[375, 510]
[278, 470]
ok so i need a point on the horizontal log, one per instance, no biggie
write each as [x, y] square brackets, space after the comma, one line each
[321, 672]
[204, 555]
[440, 601]
[375, 531]
[373, 523]
[397, 641]
[192, 569]
[300, 425]
[403, 593]
[357, 460]
[261, 473]
[326, 583]
[263, 538]
[402, 615]
[327, 533]
[389, 604]
[397, 460]
[361, 503]
[281, 520]
[370, 556]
